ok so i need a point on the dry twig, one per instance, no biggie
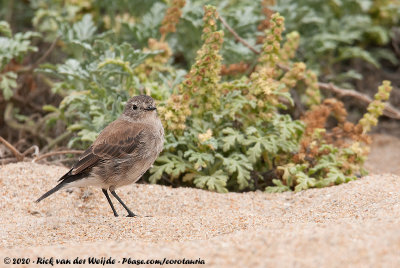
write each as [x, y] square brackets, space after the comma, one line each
[57, 140]
[389, 111]
[396, 40]
[41, 59]
[14, 150]
[56, 153]
[9, 160]
[237, 37]
[30, 127]
[33, 149]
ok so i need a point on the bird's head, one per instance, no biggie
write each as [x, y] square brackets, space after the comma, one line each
[140, 107]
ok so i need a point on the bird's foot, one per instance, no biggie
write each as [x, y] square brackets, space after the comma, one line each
[131, 214]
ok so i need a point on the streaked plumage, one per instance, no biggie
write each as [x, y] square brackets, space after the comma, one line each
[122, 152]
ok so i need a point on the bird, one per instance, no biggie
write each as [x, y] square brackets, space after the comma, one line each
[123, 151]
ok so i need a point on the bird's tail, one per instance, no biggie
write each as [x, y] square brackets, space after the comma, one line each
[52, 191]
[64, 180]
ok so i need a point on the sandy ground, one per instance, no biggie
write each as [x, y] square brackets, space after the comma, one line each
[384, 155]
[350, 225]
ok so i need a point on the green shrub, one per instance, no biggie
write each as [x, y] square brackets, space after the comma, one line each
[12, 48]
[231, 133]
[334, 32]
[96, 83]
[235, 134]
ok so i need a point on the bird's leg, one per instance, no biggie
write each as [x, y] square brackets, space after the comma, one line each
[130, 213]
[109, 201]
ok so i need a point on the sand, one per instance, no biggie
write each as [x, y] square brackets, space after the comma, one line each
[349, 225]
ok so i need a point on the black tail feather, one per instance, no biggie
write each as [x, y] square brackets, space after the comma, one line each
[52, 191]
[67, 178]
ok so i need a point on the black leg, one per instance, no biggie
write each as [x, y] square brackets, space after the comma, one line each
[109, 201]
[130, 213]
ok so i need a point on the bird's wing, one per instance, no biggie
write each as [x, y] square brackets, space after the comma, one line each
[117, 140]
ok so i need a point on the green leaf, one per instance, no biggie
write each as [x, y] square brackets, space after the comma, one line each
[232, 137]
[189, 177]
[15, 47]
[170, 164]
[200, 160]
[251, 131]
[87, 135]
[356, 52]
[260, 144]
[84, 29]
[49, 108]
[238, 164]
[215, 182]
[303, 182]
[279, 188]
[75, 127]
[8, 81]
[254, 153]
[5, 29]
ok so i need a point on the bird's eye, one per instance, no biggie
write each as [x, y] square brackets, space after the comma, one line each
[134, 107]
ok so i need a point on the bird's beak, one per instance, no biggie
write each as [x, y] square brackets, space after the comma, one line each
[151, 108]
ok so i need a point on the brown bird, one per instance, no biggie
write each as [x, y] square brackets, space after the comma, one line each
[121, 154]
